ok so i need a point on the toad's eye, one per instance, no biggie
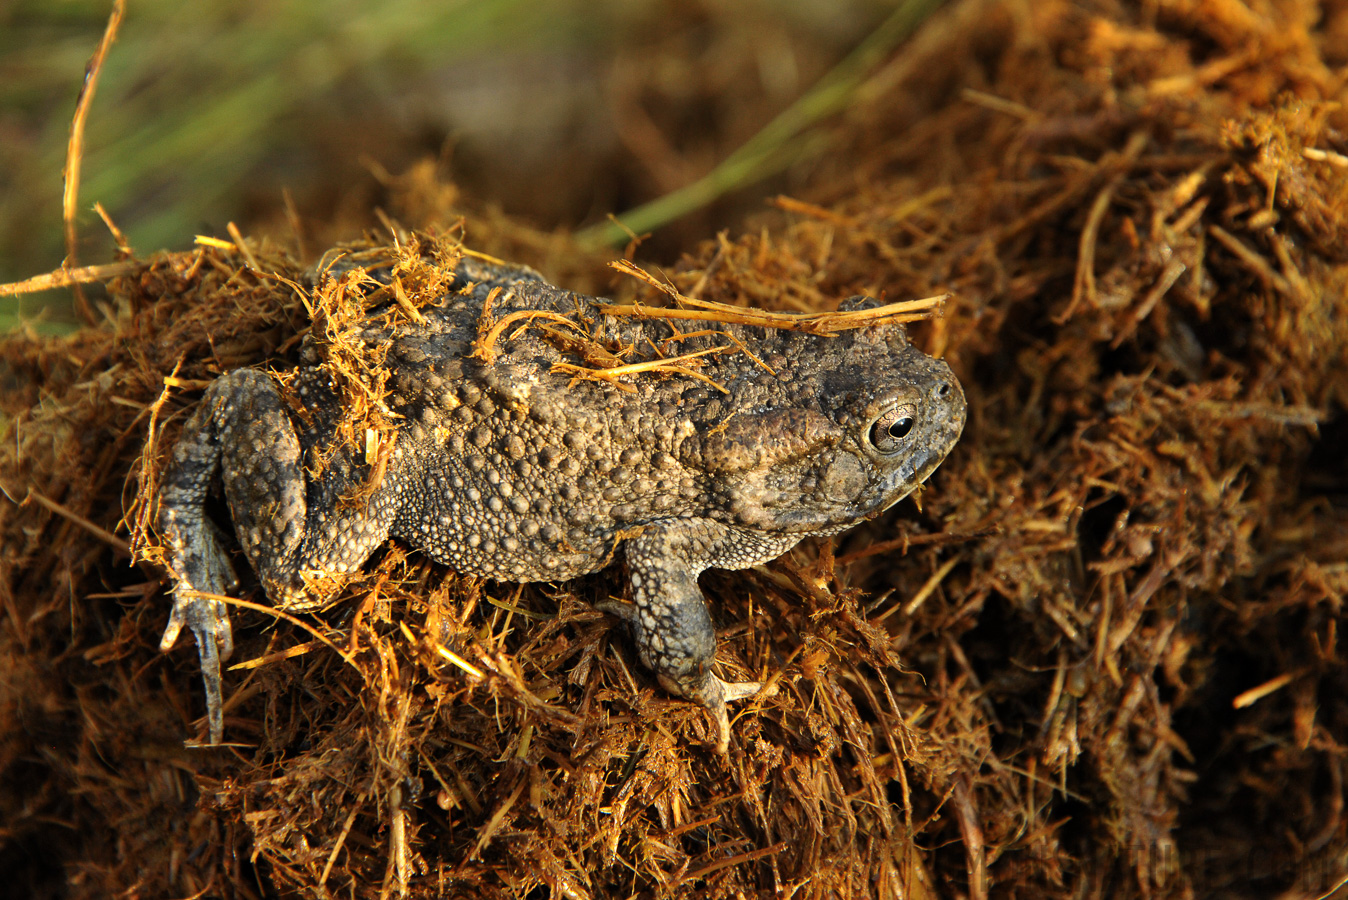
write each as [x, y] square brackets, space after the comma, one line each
[888, 431]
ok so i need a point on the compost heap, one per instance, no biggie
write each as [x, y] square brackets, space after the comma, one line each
[1097, 657]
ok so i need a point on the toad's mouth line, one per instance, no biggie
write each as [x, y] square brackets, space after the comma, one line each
[929, 465]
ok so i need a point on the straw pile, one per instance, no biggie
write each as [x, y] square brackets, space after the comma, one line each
[1099, 658]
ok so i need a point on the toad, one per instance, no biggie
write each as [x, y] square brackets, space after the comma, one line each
[505, 465]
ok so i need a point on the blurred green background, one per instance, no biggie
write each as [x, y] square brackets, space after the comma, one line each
[557, 112]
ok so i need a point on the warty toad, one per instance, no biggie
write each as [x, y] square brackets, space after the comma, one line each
[503, 468]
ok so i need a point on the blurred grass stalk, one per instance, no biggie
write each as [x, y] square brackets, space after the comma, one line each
[194, 97]
[190, 101]
[787, 139]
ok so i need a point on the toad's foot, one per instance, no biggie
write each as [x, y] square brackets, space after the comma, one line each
[668, 617]
[682, 662]
[208, 618]
[714, 694]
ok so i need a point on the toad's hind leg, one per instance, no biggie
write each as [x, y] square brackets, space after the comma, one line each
[668, 618]
[242, 429]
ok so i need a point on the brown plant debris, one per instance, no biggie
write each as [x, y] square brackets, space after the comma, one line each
[1099, 659]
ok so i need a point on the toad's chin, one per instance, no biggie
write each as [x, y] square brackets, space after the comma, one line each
[915, 480]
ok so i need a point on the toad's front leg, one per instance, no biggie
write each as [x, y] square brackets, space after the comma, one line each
[241, 429]
[668, 617]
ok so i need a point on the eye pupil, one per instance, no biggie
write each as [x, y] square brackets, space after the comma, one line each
[889, 429]
[899, 428]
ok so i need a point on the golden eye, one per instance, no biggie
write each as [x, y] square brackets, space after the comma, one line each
[890, 428]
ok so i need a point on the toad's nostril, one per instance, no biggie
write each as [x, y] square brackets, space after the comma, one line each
[943, 390]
